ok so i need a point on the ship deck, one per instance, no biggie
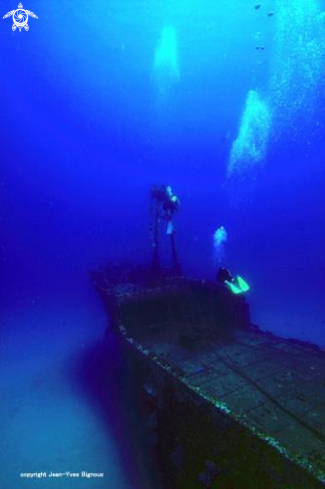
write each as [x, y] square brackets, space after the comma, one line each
[275, 387]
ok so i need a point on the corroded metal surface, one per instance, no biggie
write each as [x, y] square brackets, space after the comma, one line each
[272, 387]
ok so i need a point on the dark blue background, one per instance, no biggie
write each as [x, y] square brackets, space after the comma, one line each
[83, 136]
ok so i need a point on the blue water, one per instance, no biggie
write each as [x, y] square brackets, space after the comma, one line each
[98, 101]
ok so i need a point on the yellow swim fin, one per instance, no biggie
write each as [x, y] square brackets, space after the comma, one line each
[242, 284]
[234, 289]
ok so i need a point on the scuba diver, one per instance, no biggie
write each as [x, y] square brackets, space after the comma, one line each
[237, 285]
[163, 205]
[233, 310]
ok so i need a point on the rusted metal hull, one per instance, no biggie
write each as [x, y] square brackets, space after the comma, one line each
[230, 406]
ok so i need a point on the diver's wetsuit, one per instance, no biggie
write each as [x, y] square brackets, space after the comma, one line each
[163, 206]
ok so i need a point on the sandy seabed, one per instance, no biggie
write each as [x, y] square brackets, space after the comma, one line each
[66, 404]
